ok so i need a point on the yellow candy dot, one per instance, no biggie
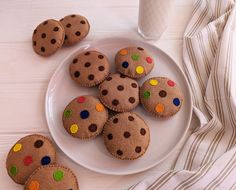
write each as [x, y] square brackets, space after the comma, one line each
[153, 82]
[139, 69]
[160, 108]
[34, 185]
[74, 128]
[123, 52]
[99, 107]
[17, 147]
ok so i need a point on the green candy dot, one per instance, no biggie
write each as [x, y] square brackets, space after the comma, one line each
[135, 57]
[146, 94]
[14, 170]
[58, 175]
[67, 113]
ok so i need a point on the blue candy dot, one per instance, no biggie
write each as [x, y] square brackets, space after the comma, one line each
[125, 64]
[176, 102]
[84, 114]
[45, 160]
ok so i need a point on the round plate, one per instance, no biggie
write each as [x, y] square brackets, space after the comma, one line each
[165, 134]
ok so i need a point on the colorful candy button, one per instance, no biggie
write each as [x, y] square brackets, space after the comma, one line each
[123, 52]
[38, 144]
[17, 147]
[34, 185]
[67, 113]
[139, 70]
[84, 114]
[135, 57]
[176, 101]
[160, 108]
[28, 160]
[81, 99]
[146, 94]
[14, 170]
[58, 175]
[45, 160]
[99, 107]
[171, 83]
[125, 64]
[149, 60]
[74, 128]
[153, 82]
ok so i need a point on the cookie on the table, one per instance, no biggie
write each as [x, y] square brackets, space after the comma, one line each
[161, 96]
[134, 62]
[84, 117]
[48, 37]
[119, 93]
[76, 28]
[126, 136]
[50, 177]
[28, 154]
[89, 68]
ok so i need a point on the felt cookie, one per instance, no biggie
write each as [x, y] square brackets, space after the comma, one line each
[48, 37]
[84, 117]
[50, 177]
[119, 93]
[76, 28]
[27, 154]
[161, 96]
[89, 68]
[134, 62]
[126, 136]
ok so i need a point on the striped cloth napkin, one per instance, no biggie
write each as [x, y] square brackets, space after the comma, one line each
[208, 158]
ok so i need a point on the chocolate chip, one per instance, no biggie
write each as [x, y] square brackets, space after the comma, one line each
[115, 102]
[87, 53]
[134, 85]
[119, 152]
[38, 144]
[120, 87]
[87, 64]
[109, 78]
[127, 134]
[100, 56]
[61, 19]
[45, 22]
[53, 41]
[131, 100]
[93, 128]
[162, 93]
[43, 35]
[42, 49]
[77, 33]
[110, 136]
[138, 149]
[104, 92]
[35, 31]
[139, 48]
[91, 77]
[75, 60]
[66, 37]
[115, 120]
[68, 25]
[122, 76]
[142, 131]
[56, 29]
[73, 16]
[77, 74]
[101, 68]
[82, 22]
[34, 42]
[131, 118]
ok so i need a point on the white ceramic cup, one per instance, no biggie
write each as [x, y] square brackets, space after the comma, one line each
[154, 17]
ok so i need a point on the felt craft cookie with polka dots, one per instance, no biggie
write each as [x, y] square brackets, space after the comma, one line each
[48, 37]
[52, 176]
[134, 62]
[76, 28]
[89, 68]
[119, 93]
[161, 96]
[84, 117]
[126, 136]
[28, 154]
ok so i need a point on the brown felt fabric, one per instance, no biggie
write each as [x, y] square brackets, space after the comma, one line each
[48, 37]
[44, 176]
[131, 69]
[163, 94]
[76, 28]
[28, 149]
[89, 68]
[126, 136]
[85, 130]
[119, 93]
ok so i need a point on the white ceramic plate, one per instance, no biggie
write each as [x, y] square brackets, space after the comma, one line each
[165, 134]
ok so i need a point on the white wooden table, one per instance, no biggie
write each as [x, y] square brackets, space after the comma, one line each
[24, 76]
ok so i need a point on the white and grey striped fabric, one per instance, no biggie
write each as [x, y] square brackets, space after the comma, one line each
[208, 158]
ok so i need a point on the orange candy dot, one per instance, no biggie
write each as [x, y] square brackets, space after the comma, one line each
[34, 185]
[160, 108]
[99, 107]
[123, 52]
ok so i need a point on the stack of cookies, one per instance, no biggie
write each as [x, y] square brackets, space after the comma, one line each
[126, 135]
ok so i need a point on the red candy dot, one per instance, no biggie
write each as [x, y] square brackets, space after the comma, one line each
[81, 99]
[28, 160]
[171, 83]
[149, 60]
